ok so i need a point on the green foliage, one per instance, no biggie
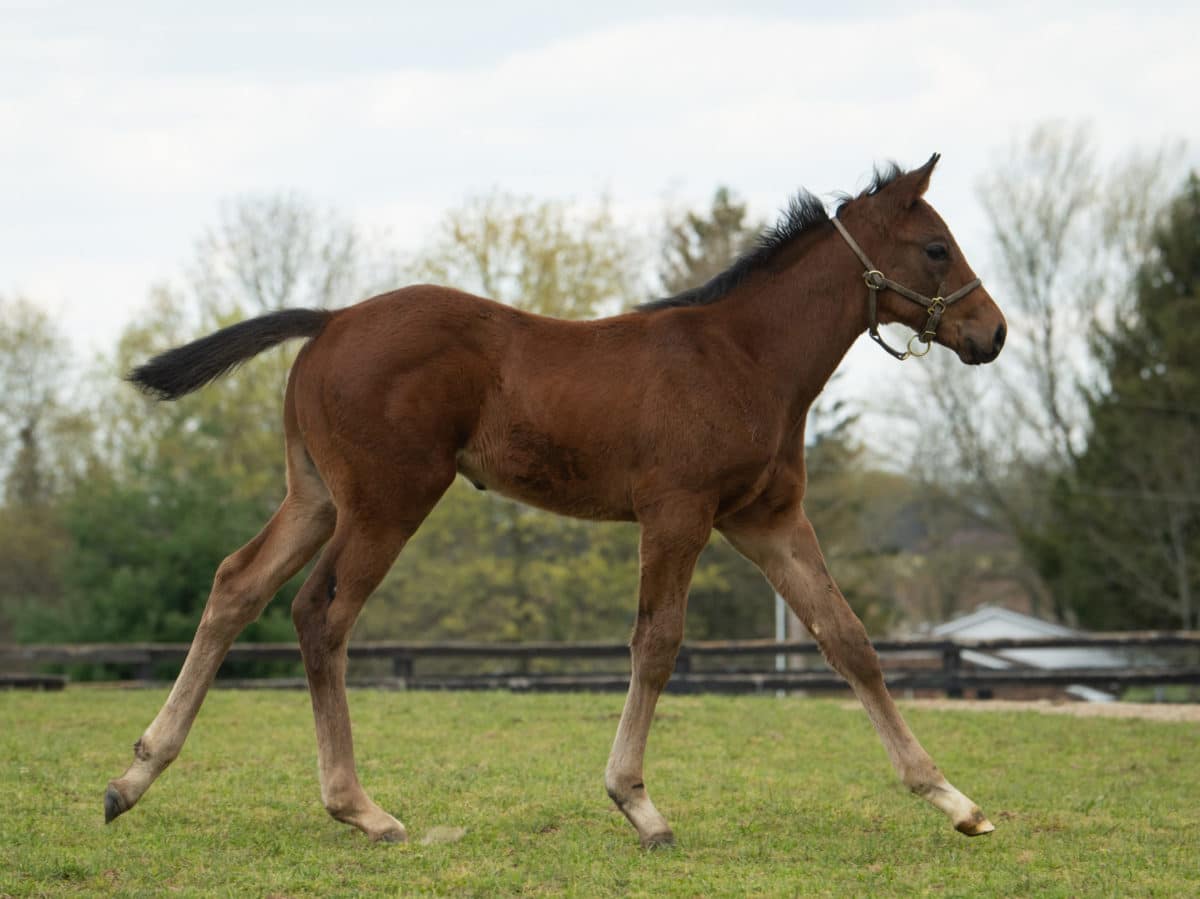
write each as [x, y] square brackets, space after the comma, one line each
[767, 798]
[1129, 508]
[484, 567]
[544, 256]
[128, 553]
[729, 598]
[481, 566]
[697, 247]
[1001, 446]
[141, 558]
[173, 488]
[44, 451]
[854, 510]
[44, 440]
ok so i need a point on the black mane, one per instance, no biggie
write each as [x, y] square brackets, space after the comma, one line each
[804, 212]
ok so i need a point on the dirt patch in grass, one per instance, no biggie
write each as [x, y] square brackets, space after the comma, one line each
[1149, 711]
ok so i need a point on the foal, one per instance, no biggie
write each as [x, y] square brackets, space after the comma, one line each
[685, 415]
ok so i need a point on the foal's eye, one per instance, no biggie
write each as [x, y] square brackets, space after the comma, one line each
[937, 252]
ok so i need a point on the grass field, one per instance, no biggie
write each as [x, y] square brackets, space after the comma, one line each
[766, 796]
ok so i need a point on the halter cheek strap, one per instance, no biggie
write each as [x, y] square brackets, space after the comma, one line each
[876, 281]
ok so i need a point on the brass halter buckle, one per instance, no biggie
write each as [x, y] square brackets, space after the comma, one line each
[935, 309]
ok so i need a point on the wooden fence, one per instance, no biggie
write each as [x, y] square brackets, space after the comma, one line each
[726, 666]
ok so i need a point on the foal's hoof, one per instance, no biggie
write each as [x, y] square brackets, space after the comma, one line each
[976, 825]
[391, 836]
[661, 840]
[114, 804]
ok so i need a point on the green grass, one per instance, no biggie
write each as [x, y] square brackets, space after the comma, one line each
[766, 796]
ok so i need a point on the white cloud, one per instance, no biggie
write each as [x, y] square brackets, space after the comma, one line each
[107, 170]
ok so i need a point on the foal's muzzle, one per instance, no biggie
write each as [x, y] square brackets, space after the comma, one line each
[978, 353]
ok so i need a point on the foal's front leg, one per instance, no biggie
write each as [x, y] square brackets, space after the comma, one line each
[669, 549]
[788, 554]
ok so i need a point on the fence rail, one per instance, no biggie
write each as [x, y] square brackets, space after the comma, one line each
[918, 664]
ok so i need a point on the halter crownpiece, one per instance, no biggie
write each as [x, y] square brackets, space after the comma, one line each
[877, 281]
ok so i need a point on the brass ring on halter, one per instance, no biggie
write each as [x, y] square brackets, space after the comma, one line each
[924, 352]
[874, 278]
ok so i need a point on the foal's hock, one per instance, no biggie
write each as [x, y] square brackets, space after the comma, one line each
[684, 415]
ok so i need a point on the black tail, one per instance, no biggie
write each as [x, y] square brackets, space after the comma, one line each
[189, 367]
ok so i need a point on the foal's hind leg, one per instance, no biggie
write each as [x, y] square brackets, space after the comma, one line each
[789, 556]
[670, 546]
[368, 538]
[244, 584]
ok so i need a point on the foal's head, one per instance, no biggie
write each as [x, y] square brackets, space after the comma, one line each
[913, 247]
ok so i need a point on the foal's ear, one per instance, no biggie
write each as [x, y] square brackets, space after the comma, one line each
[911, 186]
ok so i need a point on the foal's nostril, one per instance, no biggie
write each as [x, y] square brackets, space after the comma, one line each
[998, 340]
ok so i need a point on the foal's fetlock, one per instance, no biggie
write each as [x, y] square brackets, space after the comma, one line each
[123, 793]
[633, 801]
[623, 788]
[617, 794]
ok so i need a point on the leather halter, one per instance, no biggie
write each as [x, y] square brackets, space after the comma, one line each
[877, 281]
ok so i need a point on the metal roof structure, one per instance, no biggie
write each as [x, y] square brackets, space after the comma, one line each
[993, 622]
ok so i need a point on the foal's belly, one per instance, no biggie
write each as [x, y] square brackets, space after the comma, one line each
[530, 468]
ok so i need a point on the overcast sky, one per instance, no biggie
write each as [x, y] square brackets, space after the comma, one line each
[124, 125]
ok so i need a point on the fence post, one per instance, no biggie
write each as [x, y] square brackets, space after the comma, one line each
[683, 661]
[402, 665]
[951, 665]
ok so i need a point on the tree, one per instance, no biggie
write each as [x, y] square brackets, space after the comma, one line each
[697, 247]
[266, 252]
[1068, 233]
[139, 557]
[728, 598]
[34, 364]
[543, 256]
[483, 566]
[44, 450]
[843, 495]
[274, 251]
[486, 567]
[186, 483]
[857, 512]
[1131, 501]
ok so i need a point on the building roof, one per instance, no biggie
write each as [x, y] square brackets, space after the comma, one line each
[992, 622]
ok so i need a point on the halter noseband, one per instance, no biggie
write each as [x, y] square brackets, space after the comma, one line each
[877, 281]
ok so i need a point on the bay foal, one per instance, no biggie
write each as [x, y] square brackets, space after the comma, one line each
[685, 415]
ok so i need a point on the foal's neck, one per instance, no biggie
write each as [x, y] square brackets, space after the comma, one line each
[799, 318]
